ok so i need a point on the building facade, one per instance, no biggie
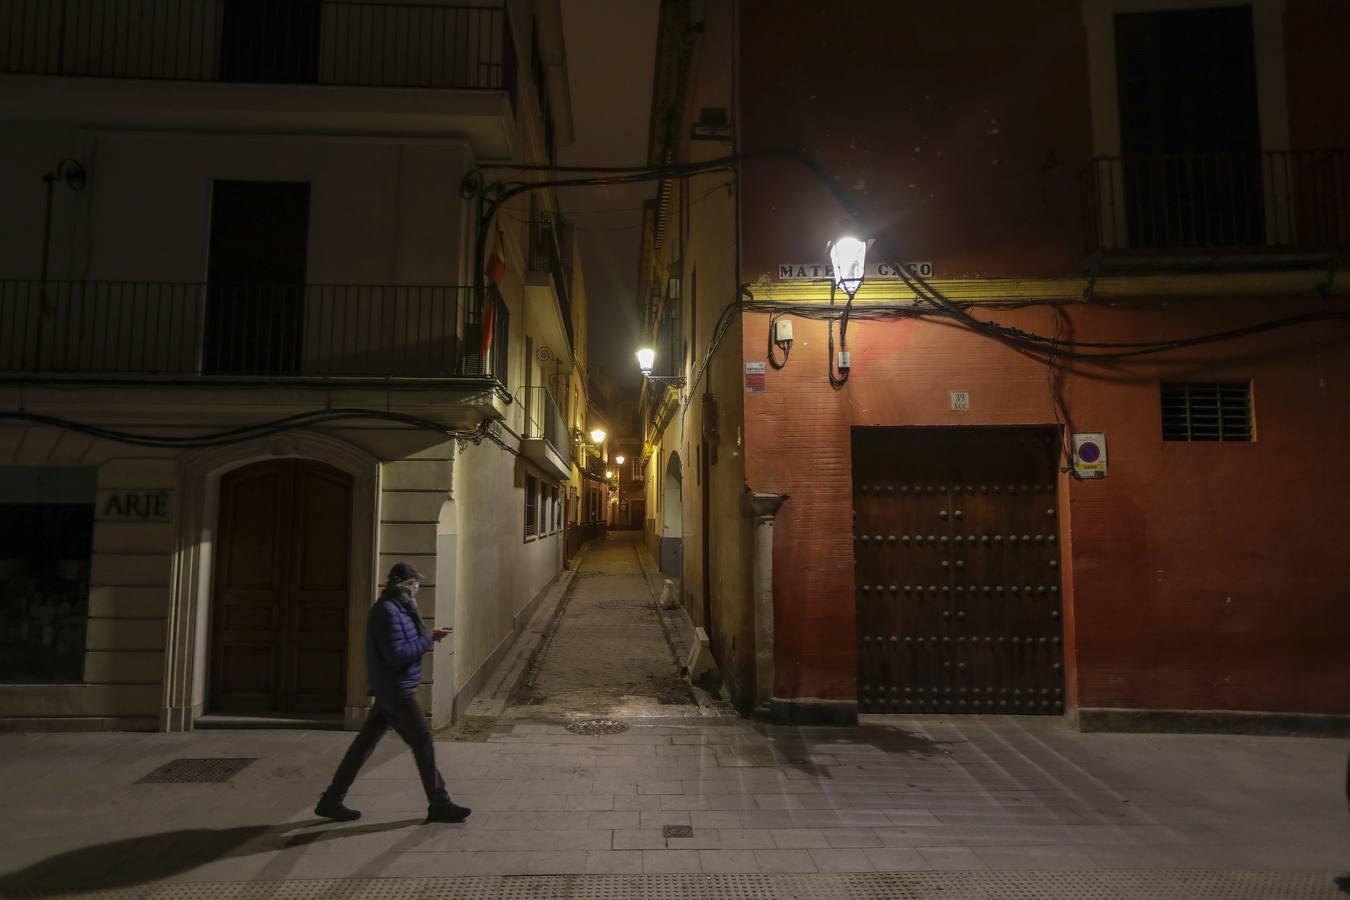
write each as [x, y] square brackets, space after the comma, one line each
[1104, 505]
[247, 363]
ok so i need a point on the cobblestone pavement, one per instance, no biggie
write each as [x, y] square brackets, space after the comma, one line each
[683, 806]
[608, 655]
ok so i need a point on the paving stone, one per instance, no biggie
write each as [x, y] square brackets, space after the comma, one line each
[665, 862]
[724, 861]
[841, 861]
[784, 861]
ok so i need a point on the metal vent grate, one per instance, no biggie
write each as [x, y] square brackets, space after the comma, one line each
[597, 726]
[198, 771]
[1219, 411]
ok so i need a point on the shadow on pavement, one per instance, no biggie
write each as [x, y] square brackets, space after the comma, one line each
[154, 857]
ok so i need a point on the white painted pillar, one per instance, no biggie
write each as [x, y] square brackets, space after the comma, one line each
[764, 507]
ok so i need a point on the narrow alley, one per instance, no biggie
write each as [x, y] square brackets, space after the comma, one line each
[608, 655]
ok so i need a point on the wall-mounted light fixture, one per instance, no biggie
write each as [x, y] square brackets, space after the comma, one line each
[646, 358]
[619, 459]
[848, 256]
[598, 436]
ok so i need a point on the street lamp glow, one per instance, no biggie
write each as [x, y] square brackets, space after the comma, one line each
[619, 459]
[609, 473]
[848, 255]
[646, 358]
[598, 435]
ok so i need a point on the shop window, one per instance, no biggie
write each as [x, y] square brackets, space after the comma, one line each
[46, 541]
[531, 506]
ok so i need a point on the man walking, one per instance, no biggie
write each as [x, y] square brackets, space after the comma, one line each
[396, 640]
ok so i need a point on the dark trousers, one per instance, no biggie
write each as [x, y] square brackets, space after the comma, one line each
[404, 715]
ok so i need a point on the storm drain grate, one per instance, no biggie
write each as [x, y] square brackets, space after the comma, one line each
[597, 726]
[677, 830]
[1197, 884]
[199, 771]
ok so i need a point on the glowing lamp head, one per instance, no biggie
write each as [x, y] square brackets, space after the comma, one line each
[619, 459]
[848, 256]
[598, 435]
[646, 358]
[609, 473]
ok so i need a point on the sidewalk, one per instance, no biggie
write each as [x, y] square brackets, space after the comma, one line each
[678, 805]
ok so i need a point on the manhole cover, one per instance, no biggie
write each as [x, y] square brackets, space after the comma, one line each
[677, 831]
[183, 771]
[597, 726]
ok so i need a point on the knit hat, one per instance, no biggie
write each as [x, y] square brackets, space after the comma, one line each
[402, 572]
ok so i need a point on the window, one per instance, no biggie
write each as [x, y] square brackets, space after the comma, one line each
[1207, 412]
[531, 506]
[46, 542]
[557, 511]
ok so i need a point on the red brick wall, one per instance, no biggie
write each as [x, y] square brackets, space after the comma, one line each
[1197, 575]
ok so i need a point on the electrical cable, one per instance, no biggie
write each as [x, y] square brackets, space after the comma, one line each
[485, 431]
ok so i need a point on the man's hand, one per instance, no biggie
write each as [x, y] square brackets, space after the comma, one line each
[438, 633]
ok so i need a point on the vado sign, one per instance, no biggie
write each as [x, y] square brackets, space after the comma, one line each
[825, 271]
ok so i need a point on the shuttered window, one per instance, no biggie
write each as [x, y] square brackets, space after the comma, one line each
[531, 506]
[1214, 411]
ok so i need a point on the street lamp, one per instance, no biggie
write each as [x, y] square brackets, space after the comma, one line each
[619, 459]
[609, 473]
[646, 357]
[598, 436]
[848, 256]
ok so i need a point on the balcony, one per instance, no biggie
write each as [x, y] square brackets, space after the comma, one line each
[328, 42]
[173, 331]
[550, 264]
[1273, 208]
[546, 441]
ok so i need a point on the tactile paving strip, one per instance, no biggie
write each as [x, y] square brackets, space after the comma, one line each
[1180, 884]
[190, 771]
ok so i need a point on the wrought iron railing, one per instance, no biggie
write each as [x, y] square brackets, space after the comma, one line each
[278, 330]
[333, 42]
[548, 253]
[1289, 199]
[543, 421]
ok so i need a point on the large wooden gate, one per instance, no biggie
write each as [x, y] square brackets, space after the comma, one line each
[279, 632]
[956, 570]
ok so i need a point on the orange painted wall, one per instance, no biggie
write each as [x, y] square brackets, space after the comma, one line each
[1200, 575]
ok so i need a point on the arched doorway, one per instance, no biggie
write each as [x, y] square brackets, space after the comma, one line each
[672, 519]
[282, 587]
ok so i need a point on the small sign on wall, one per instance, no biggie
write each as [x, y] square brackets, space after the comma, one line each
[754, 378]
[1089, 454]
[960, 400]
[135, 506]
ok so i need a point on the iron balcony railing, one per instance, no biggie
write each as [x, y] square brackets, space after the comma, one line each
[549, 253]
[1288, 199]
[331, 42]
[166, 329]
[544, 421]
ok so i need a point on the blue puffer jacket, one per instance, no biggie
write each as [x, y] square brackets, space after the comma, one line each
[396, 641]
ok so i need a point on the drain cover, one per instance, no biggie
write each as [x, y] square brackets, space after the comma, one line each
[677, 831]
[185, 771]
[597, 726]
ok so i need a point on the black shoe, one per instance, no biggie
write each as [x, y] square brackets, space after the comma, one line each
[447, 812]
[334, 809]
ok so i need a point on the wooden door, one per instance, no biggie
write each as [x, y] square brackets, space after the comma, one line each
[956, 568]
[282, 589]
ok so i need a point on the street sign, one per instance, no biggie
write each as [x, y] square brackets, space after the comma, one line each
[1089, 454]
[825, 272]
